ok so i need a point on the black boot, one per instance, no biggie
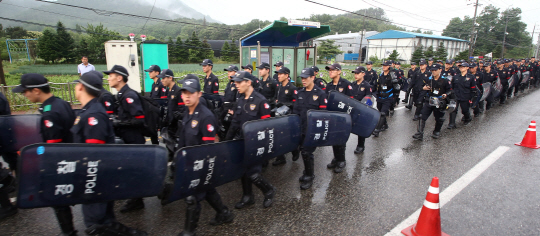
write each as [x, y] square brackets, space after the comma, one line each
[193, 211]
[6, 208]
[268, 190]
[452, 121]
[280, 160]
[114, 228]
[65, 219]
[165, 194]
[223, 215]
[132, 205]
[295, 154]
[437, 131]
[309, 165]
[420, 134]
[332, 164]
[381, 123]
[417, 113]
[339, 153]
[359, 150]
[247, 197]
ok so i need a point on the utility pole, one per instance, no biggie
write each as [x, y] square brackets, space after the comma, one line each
[532, 37]
[472, 31]
[504, 37]
[362, 38]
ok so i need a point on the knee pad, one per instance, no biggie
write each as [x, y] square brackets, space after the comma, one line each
[255, 177]
[191, 200]
[383, 114]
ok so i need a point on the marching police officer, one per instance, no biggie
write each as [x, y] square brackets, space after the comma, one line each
[504, 76]
[417, 84]
[479, 77]
[256, 82]
[400, 75]
[107, 99]
[277, 66]
[407, 85]
[285, 96]
[341, 85]
[93, 125]
[250, 106]
[7, 181]
[158, 90]
[319, 81]
[175, 107]
[448, 70]
[371, 74]
[430, 63]
[268, 84]
[384, 87]
[511, 71]
[464, 89]
[211, 82]
[127, 125]
[229, 99]
[438, 89]
[310, 97]
[360, 89]
[490, 76]
[198, 127]
[56, 121]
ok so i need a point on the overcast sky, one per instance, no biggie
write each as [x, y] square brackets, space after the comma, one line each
[434, 14]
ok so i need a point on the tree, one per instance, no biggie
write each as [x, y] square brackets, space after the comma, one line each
[328, 50]
[82, 48]
[418, 54]
[15, 32]
[207, 52]
[66, 44]
[234, 54]
[394, 56]
[98, 35]
[181, 52]
[47, 46]
[441, 53]
[464, 55]
[171, 50]
[429, 52]
[194, 46]
[225, 52]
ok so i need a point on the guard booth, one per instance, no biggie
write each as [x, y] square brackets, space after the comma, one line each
[281, 41]
[153, 52]
[124, 53]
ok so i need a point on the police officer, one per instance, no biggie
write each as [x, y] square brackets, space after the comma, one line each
[7, 181]
[107, 99]
[341, 85]
[511, 71]
[211, 82]
[504, 76]
[407, 85]
[285, 96]
[491, 76]
[438, 89]
[517, 67]
[401, 75]
[277, 67]
[536, 72]
[250, 106]
[360, 89]
[371, 74]
[310, 97]
[384, 87]
[130, 118]
[198, 127]
[479, 78]
[256, 82]
[158, 90]
[464, 89]
[430, 63]
[448, 70]
[229, 99]
[417, 85]
[93, 125]
[268, 84]
[175, 106]
[319, 81]
[56, 120]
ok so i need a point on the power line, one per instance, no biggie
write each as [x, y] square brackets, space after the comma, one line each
[120, 36]
[109, 13]
[410, 13]
[149, 15]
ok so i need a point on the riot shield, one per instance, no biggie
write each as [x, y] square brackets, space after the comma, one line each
[496, 88]
[526, 76]
[486, 90]
[69, 174]
[451, 106]
[200, 168]
[519, 75]
[513, 80]
[449, 78]
[364, 118]
[272, 137]
[368, 100]
[163, 109]
[327, 128]
[477, 98]
[17, 131]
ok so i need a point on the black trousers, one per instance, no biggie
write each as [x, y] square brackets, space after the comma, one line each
[130, 135]
[465, 108]
[98, 213]
[383, 105]
[437, 112]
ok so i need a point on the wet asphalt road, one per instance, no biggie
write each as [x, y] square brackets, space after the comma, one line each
[378, 190]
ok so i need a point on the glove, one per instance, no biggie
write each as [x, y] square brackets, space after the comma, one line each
[116, 122]
[178, 115]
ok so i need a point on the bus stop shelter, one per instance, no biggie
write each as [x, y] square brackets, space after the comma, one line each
[280, 41]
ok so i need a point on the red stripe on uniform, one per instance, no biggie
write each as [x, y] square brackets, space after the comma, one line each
[163, 97]
[323, 88]
[109, 112]
[322, 106]
[216, 91]
[294, 100]
[352, 96]
[208, 138]
[266, 116]
[181, 103]
[95, 141]
[473, 87]
[139, 117]
[54, 140]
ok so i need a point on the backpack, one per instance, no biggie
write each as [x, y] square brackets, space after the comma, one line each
[152, 112]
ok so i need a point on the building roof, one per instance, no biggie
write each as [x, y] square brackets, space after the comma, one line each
[347, 36]
[280, 33]
[396, 34]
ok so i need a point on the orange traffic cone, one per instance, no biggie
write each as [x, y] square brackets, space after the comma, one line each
[429, 221]
[529, 140]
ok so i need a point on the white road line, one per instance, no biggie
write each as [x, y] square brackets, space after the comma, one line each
[456, 187]
[399, 108]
